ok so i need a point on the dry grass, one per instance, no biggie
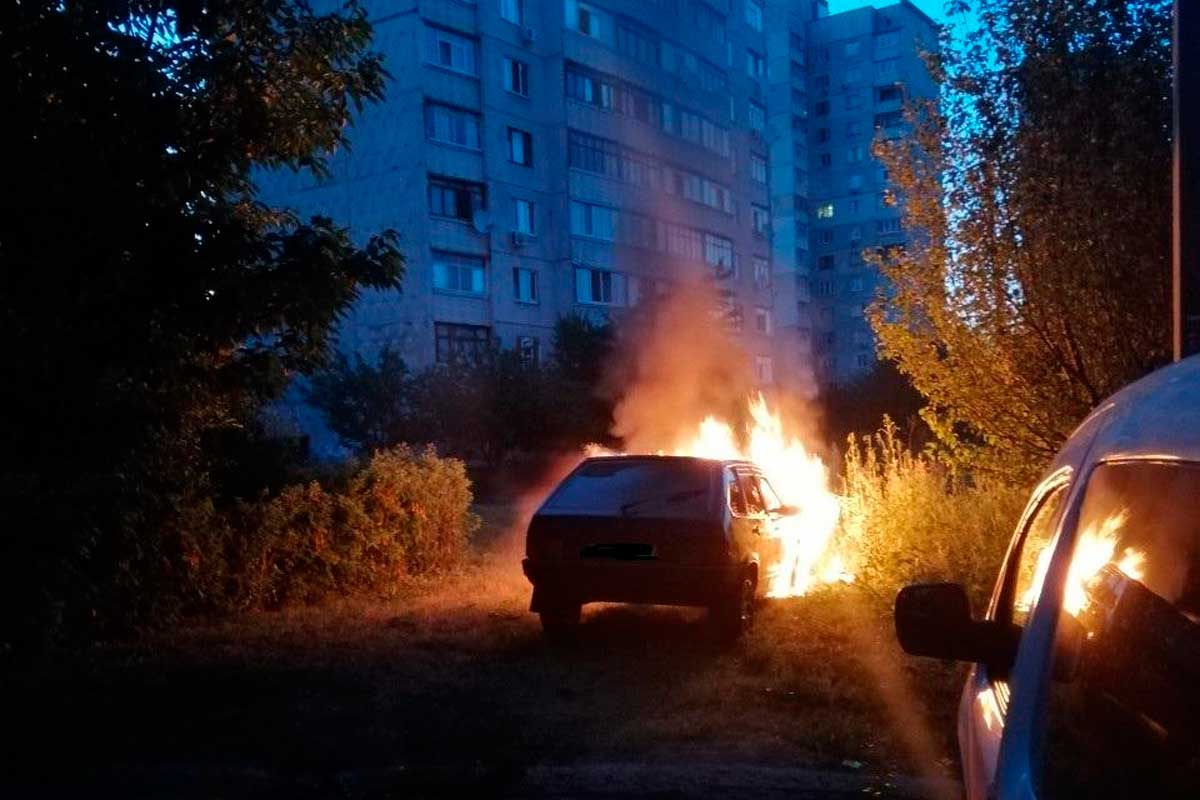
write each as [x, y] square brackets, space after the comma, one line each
[455, 676]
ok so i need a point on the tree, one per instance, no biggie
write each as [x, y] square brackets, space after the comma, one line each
[367, 405]
[151, 301]
[1040, 187]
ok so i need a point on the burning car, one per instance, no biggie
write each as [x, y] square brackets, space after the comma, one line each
[666, 530]
[1085, 678]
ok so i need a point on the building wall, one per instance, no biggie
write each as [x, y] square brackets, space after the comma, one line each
[382, 181]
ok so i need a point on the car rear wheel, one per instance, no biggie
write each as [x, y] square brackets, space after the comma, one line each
[560, 621]
[735, 614]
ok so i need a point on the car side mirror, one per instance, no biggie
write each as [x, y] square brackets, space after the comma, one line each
[934, 620]
[785, 510]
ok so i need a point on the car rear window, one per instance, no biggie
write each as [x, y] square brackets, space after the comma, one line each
[673, 489]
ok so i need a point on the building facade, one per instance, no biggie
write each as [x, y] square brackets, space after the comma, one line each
[547, 157]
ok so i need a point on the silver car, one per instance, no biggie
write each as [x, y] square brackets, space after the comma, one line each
[1086, 665]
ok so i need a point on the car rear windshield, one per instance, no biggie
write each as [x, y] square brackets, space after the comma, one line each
[674, 489]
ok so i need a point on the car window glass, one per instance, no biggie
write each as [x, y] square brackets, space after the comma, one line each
[658, 487]
[1123, 720]
[770, 499]
[737, 502]
[1039, 531]
[754, 499]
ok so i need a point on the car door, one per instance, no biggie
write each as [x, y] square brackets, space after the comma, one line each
[987, 694]
[741, 523]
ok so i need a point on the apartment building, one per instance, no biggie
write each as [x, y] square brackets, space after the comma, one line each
[548, 157]
[862, 64]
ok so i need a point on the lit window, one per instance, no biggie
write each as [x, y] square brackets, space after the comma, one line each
[520, 147]
[825, 211]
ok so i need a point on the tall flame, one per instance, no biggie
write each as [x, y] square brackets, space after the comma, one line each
[800, 479]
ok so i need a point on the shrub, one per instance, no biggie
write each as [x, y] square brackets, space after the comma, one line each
[908, 519]
[400, 514]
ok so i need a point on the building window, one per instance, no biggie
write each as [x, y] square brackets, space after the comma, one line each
[855, 183]
[887, 40]
[825, 236]
[852, 48]
[762, 272]
[855, 155]
[588, 20]
[826, 159]
[460, 342]
[887, 94]
[754, 15]
[756, 65]
[516, 76]
[637, 45]
[760, 220]
[821, 109]
[856, 285]
[520, 147]
[525, 285]
[824, 289]
[718, 253]
[451, 51]
[709, 21]
[527, 347]
[854, 100]
[826, 262]
[820, 83]
[886, 69]
[452, 126]
[457, 273]
[852, 74]
[684, 242]
[764, 369]
[513, 10]
[524, 222]
[854, 129]
[593, 221]
[757, 117]
[885, 226]
[456, 199]
[856, 233]
[758, 168]
[825, 211]
[762, 320]
[822, 135]
[600, 287]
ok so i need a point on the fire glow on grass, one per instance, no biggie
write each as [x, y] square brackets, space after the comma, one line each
[799, 478]
[1095, 548]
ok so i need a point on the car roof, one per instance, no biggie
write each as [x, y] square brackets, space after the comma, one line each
[726, 462]
[1157, 417]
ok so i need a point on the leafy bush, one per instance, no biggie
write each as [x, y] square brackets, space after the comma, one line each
[907, 518]
[402, 513]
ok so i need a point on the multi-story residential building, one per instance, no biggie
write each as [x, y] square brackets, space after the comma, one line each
[862, 64]
[541, 158]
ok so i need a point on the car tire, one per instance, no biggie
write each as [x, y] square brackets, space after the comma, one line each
[734, 615]
[560, 621]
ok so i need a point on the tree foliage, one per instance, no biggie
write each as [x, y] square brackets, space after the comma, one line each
[1040, 183]
[151, 301]
[480, 409]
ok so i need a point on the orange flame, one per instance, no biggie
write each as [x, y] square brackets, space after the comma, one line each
[800, 479]
[1095, 548]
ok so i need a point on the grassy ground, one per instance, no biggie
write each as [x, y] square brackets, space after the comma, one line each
[451, 685]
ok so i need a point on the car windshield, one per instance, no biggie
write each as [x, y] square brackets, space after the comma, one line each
[672, 488]
[1124, 718]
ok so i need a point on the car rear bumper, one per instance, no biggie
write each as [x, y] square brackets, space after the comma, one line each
[629, 582]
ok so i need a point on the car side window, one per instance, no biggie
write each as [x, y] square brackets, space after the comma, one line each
[737, 499]
[754, 498]
[1032, 557]
[770, 500]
